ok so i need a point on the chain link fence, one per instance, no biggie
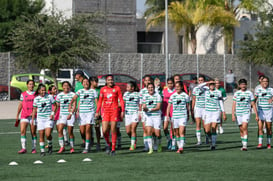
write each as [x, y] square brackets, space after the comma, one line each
[134, 66]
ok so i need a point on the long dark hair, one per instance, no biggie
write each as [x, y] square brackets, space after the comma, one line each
[134, 84]
[181, 84]
[39, 88]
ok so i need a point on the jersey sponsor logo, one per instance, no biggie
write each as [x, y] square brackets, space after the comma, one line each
[178, 101]
[242, 98]
[86, 96]
[211, 95]
[264, 94]
[66, 101]
[109, 95]
[43, 104]
[26, 96]
[131, 98]
[150, 102]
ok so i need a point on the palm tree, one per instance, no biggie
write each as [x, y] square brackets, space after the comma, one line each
[190, 15]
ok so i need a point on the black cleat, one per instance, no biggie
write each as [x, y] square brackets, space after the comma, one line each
[107, 150]
[67, 143]
[50, 148]
[212, 148]
[42, 154]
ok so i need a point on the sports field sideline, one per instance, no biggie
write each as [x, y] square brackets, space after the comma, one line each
[196, 163]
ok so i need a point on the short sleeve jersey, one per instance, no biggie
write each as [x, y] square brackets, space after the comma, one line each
[87, 100]
[142, 94]
[179, 103]
[199, 94]
[263, 97]
[131, 102]
[243, 101]
[151, 102]
[212, 101]
[64, 100]
[44, 106]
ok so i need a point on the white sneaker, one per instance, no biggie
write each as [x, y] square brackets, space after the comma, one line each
[221, 130]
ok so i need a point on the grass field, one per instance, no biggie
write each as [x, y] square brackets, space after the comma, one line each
[226, 163]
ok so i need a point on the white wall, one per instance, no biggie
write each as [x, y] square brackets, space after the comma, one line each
[65, 6]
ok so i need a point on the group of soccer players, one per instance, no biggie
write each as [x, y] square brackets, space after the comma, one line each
[154, 107]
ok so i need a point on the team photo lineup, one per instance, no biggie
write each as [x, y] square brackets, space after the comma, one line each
[99, 111]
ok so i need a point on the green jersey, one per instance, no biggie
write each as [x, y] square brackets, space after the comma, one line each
[179, 103]
[223, 91]
[64, 100]
[243, 101]
[44, 106]
[78, 87]
[199, 93]
[87, 100]
[212, 101]
[263, 97]
[131, 102]
[151, 101]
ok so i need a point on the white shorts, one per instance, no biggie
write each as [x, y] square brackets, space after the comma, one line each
[129, 119]
[153, 121]
[212, 117]
[265, 115]
[86, 118]
[63, 120]
[28, 120]
[245, 118]
[179, 122]
[199, 113]
[44, 123]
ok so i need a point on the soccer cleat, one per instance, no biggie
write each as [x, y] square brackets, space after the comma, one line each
[212, 148]
[50, 149]
[150, 151]
[180, 150]
[33, 151]
[113, 153]
[260, 146]
[67, 143]
[198, 144]
[221, 130]
[107, 149]
[98, 147]
[42, 154]
[169, 145]
[62, 149]
[72, 150]
[243, 149]
[85, 151]
[173, 148]
[132, 148]
[22, 151]
[268, 146]
[159, 149]
[135, 146]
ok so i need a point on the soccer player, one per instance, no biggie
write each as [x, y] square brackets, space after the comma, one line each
[94, 85]
[224, 96]
[198, 105]
[86, 111]
[264, 96]
[158, 88]
[152, 108]
[66, 118]
[180, 102]
[42, 105]
[167, 92]
[109, 97]
[213, 107]
[142, 93]
[132, 107]
[25, 108]
[191, 87]
[242, 102]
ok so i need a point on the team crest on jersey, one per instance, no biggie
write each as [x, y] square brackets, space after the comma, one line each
[25, 96]
[109, 95]
[104, 90]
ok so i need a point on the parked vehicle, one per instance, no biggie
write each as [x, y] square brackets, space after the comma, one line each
[120, 80]
[14, 93]
[19, 81]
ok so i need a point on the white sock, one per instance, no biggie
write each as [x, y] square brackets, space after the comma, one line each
[23, 141]
[42, 146]
[173, 140]
[213, 139]
[198, 136]
[178, 142]
[87, 142]
[150, 142]
[146, 143]
[34, 142]
[269, 137]
[133, 141]
[245, 141]
[71, 142]
[61, 141]
[260, 139]
[182, 141]
[65, 134]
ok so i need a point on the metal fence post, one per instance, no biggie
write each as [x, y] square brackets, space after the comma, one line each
[250, 75]
[170, 68]
[141, 70]
[9, 76]
[109, 63]
[197, 65]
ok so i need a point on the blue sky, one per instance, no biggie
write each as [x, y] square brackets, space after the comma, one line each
[140, 7]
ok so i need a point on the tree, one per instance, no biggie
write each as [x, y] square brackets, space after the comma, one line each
[190, 15]
[50, 41]
[10, 14]
[258, 49]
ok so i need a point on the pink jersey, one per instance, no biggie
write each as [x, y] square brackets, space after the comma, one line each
[166, 96]
[27, 99]
[57, 115]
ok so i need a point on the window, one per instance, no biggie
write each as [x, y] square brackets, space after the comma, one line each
[149, 42]
[22, 78]
[64, 74]
[36, 78]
